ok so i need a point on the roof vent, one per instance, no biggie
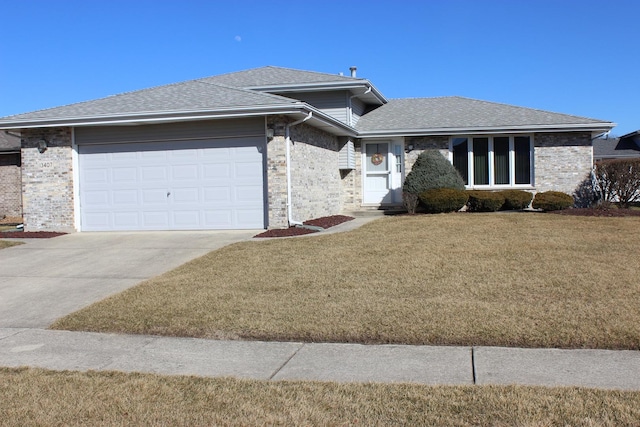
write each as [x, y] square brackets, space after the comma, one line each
[353, 71]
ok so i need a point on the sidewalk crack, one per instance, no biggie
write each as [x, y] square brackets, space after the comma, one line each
[286, 362]
[473, 364]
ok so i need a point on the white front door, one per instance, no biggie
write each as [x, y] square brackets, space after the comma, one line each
[382, 172]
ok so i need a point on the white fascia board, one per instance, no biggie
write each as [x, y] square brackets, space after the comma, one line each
[300, 108]
[149, 118]
[297, 87]
[489, 130]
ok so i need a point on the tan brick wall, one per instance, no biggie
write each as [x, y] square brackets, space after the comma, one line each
[562, 160]
[10, 186]
[47, 180]
[316, 182]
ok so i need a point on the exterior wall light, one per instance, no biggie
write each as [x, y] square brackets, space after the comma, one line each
[409, 148]
[42, 146]
[270, 134]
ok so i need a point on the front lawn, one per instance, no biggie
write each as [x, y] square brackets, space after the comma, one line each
[512, 279]
[8, 243]
[47, 398]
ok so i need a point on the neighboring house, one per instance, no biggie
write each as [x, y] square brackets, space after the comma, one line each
[625, 147]
[10, 178]
[269, 147]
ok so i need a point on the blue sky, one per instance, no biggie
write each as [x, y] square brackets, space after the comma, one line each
[569, 56]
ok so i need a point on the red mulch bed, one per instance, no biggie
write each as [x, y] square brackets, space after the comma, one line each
[29, 234]
[324, 222]
[615, 212]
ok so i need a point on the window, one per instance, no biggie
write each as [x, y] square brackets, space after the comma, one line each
[493, 160]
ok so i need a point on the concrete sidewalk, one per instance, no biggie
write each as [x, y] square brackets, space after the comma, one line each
[82, 351]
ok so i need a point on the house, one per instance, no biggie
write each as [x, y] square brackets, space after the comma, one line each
[625, 147]
[10, 177]
[270, 147]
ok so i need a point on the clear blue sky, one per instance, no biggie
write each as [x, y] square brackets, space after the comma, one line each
[577, 57]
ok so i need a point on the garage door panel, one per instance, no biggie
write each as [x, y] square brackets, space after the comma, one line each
[126, 220]
[127, 174]
[97, 220]
[221, 218]
[154, 173]
[217, 195]
[126, 197]
[155, 219]
[186, 195]
[184, 172]
[215, 184]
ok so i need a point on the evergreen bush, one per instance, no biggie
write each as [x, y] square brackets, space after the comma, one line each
[552, 201]
[438, 200]
[484, 201]
[516, 199]
[432, 170]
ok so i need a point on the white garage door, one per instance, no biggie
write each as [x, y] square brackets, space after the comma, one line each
[193, 185]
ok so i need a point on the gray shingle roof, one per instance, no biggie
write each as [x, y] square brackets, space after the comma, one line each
[615, 148]
[459, 113]
[8, 142]
[270, 76]
[194, 95]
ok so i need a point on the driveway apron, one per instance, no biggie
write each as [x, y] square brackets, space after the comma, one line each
[45, 279]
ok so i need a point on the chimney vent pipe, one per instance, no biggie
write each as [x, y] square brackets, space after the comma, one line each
[353, 71]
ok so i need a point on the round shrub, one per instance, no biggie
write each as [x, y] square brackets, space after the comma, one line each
[484, 201]
[552, 201]
[432, 170]
[516, 199]
[439, 200]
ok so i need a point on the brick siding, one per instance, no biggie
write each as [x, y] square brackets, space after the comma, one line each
[47, 180]
[10, 186]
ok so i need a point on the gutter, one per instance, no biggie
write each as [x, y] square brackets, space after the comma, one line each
[287, 141]
[488, 130]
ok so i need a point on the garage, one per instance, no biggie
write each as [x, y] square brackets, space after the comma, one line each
[201, 184]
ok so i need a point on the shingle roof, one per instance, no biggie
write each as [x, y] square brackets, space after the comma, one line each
[269, 76]
[615, 148]
[8, 142]
[194, 95]
[459, 113]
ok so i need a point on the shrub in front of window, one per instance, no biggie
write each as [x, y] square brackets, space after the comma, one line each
[552, 201]
[484, 201]
[440, 200]
[431, 170]
[515, 199]
[618, 181]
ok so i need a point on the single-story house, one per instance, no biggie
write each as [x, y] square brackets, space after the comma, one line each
[270, 147]
[10, 178]
[625, 147]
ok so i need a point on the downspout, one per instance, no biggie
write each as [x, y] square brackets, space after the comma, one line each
[288, 159]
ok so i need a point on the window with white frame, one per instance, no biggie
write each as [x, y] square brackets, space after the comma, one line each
[493, 161]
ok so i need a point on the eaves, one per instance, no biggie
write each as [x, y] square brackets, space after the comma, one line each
[486, 130]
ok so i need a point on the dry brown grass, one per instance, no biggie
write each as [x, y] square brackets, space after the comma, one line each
[38, 397]
[8, 243]
[530, 280]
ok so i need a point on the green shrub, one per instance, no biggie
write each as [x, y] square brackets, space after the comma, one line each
[432, 170]
[485, 201]
[439, 200]
[516, 199]
[552, 201]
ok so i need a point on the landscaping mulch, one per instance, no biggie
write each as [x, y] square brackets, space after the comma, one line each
[30, 234]
[599, 212]
[324, 222]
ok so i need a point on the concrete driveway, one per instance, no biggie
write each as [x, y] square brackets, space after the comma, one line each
[45, 279]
